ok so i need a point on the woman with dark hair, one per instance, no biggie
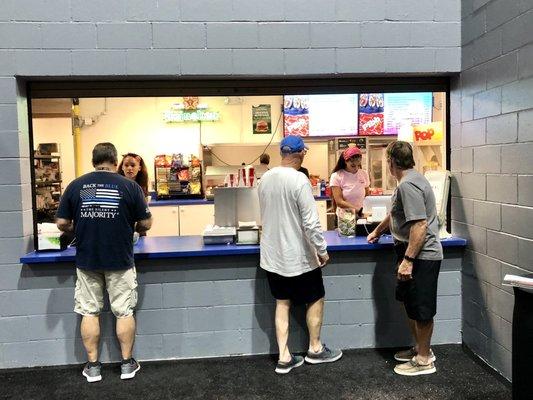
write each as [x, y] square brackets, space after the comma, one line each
[133, 167]
[349, 185]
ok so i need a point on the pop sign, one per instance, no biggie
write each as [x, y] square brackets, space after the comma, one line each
[428, 132]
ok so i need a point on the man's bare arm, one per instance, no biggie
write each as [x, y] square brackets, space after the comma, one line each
[417, 237]
[373, 237]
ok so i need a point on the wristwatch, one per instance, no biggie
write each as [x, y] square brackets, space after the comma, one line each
[406, 257]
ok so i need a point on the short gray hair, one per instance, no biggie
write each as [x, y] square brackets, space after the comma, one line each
[105, 152]
[401, 153]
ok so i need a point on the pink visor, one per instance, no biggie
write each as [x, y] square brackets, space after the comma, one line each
[350, 152]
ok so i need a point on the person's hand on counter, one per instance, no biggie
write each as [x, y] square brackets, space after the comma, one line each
[373, 237]
[322, 259]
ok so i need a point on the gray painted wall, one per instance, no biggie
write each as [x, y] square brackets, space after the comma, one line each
[173, 38]
[201, 307]
[492, 163]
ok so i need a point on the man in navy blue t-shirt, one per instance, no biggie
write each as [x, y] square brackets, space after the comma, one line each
[104, 209]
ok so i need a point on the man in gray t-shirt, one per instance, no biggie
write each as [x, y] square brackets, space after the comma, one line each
[414, 227]
[414, 200]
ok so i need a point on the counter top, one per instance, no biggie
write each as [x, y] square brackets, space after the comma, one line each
[178, 202]
[154, 247]
[187, 202]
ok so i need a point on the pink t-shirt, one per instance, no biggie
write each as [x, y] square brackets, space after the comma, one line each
[352, 185]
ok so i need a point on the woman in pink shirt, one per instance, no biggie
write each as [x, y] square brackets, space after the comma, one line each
[349, 182]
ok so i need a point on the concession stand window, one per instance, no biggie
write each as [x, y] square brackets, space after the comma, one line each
[294, 95]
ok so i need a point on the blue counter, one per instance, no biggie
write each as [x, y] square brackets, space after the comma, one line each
[188, 202]
[178, 202]
[154, 247]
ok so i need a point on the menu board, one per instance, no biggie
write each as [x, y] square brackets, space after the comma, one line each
[371, 107]
[320, 115]
[365, 114]
[407, 108]
[344, 143]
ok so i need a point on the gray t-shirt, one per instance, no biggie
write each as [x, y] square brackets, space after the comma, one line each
[414, 200]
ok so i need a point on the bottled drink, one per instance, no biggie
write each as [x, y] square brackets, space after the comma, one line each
[322, 187]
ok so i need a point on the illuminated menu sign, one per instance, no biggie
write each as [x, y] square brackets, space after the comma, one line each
[190, 112]
[191, 116]
[320, 115]
[407, 109]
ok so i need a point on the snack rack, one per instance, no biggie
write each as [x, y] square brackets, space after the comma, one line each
[46, 163]
[177, 178]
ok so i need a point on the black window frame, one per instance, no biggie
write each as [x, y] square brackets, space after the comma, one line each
[233, 86]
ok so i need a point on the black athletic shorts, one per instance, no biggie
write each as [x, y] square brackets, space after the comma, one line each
[419, 295]
[302, 289]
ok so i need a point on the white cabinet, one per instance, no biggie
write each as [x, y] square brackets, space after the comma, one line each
[165, 221]
[194, 218]
[322, 207]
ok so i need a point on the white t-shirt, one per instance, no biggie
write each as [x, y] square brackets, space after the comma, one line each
[291, 234]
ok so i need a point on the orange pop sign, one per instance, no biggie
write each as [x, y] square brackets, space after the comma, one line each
[428, 132]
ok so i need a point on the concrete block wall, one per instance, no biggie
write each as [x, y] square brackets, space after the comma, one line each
[228, 37]
[491, 140]
[180, 38]
[204, 307]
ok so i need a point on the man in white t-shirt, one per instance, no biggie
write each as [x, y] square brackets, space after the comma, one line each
[293, 250]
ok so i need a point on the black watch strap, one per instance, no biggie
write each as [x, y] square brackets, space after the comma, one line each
[409, 258]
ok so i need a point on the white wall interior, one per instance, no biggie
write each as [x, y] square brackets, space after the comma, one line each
[57, 130]
[136, 125]
[316, 159]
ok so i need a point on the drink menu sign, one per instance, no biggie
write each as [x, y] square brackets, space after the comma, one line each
[407, 109]
[320, 115]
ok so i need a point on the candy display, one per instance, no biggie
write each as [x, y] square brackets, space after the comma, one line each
[176, 177]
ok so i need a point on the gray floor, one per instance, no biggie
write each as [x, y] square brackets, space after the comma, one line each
[360, 374]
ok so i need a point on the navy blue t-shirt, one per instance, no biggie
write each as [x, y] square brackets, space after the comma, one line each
[104, 207]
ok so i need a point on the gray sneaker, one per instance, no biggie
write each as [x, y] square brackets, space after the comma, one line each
[285, 368]
[129, 368]
[326, 355]
[92, 371]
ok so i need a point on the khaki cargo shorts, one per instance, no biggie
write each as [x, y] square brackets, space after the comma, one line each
[121, 287]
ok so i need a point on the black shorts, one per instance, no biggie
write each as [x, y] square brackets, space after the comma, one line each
[302, 289]
[419, 295]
